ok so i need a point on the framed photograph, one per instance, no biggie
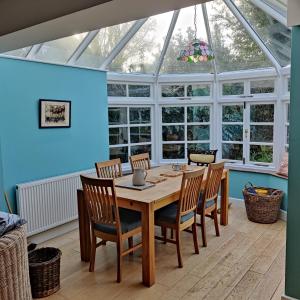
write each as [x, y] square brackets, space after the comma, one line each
[55, 113]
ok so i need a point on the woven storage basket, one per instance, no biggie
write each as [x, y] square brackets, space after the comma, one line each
[262, 208]
[14, 273]
[44, 270]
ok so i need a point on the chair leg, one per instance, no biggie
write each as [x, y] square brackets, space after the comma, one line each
[203, 229]
[164, 234]
[130, 244]
[215, 215]
[93, 252]
[119, 253]
[180, 265]
[195, 238]
[172, 234]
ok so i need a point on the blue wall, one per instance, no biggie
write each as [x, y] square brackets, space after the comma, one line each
[238, 180]
[30, 153]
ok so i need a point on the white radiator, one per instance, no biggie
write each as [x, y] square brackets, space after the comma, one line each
[50, 202]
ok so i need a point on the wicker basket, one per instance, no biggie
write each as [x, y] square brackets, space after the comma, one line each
[262, 208]
[44, 271]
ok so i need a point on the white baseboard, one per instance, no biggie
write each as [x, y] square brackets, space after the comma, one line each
[53, 233]
[284, 297]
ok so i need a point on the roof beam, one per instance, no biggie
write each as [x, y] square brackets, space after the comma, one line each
[82, 46]
[33, 51]
[270, 11]
[167, 41]
[208, 32]
[123, 42]
[252, 33]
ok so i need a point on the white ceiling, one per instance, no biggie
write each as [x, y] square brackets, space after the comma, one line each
[107, 14]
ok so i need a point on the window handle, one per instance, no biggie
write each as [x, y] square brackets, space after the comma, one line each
[246, 133]
[185, 98]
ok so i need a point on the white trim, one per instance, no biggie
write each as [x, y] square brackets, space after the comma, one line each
[284, 297]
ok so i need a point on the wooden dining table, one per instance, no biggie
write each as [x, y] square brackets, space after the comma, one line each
[147, 202]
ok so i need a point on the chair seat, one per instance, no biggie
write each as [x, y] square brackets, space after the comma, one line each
[207, 204]
[130, 220]
[168, 214]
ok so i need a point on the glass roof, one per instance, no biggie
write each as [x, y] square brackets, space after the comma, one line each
[244, 35]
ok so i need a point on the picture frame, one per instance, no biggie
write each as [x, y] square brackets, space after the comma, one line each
[54, 113]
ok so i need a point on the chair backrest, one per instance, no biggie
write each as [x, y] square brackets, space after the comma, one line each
[213, 181]
[190, 191]
[109, 169]
[202, 157]
[101, 200]
[140, 161]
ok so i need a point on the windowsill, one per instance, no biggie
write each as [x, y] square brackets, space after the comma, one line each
[254, 169]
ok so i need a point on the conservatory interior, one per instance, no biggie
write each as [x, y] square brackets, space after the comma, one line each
[211, 76]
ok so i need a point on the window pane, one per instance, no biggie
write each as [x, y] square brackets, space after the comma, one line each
[232, 151]
[139, 90]
[140, 115]
[173, 114]
[262, 86]
[261, 153]
[173, 151]
[117, 115]
[233, 113]
[116, 90]
[101, 46]
[172, 91]
[182, 35]
[173, 133]
[142, 52]
[118, 136]
[275, 35]
[119, 152]
[262, 113]
[232, 133]
[60, 50]
[198, 114]
[138, 149]
[197, 132]
[261, 133]
[140, 134]
[199, 146]
[234, 48]
[235, 88]
[198, 90]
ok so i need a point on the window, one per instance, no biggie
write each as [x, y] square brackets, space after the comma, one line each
[247, 132]
[130, 131]
[184, 127]
[287, 126]
[129, 90]
[189, 90]
[233, 88]
[262, 87]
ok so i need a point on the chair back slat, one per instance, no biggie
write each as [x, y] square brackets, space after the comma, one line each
[213, 181]
[109, 169]
[100, 197]
[190, 190]
[140, 161]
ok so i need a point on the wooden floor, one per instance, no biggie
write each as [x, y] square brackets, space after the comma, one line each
[245, 262]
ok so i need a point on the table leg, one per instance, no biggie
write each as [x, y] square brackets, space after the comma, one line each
[224, 199]
[148, 245]
[84, 228]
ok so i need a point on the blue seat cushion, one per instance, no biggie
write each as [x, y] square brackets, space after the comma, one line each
[130, 220]
[168, 214]
[207, 204]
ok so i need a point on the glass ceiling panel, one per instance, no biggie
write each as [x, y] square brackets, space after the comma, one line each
[59, 51]
[22, 52]
[182, 35]
[102, 45]
[234, 48]
[142, 53]
[275, 35]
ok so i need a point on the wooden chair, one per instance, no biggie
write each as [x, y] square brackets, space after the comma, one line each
[109, 169]
[207, 205]
[202, 157]
[107, 221]
[181, 215]
[140, 161]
